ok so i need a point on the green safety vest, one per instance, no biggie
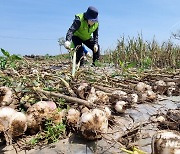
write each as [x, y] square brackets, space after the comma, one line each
[84, 32]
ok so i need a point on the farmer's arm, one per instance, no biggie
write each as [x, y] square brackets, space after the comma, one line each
[75, 25]
[95, 36]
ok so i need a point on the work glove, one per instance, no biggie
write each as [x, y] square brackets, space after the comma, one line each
[67, 44]
[95, 48]
[85, 58]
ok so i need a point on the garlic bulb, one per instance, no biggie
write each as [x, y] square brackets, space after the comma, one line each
[39, 111]
[12, 123]
[6, 96]
[166, 142]
[148, 95]
[160, 87]
[82, 89]
[93, 124]
[40, 107]
[151, 95]
[144, 97]
[160, 119]
[51, 104]
[160, 83]
[173, 115]
[97, 96]
[107, 111]
[121, 94]
[171, 88]
[120, 106]
[142, 87]
[85, 109]
[92, 97]
[6, 113]
[102, 97]
[132, 98]
[17, 124]
[170, 91]
[73, 117]
[171, 84]
[57, 116]
[33, 123]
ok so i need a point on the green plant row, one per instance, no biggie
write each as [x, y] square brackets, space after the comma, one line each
[144, 54]
[8, 60]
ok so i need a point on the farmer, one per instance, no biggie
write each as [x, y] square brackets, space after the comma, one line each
[80, 32]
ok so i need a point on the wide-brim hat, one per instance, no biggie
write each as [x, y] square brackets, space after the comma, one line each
[91, 14]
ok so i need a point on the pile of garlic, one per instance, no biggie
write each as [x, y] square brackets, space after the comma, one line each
[91, 123]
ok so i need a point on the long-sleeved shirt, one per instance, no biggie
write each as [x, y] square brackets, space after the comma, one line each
[75, 26]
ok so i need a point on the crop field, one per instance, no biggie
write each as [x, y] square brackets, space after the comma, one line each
[121, 105]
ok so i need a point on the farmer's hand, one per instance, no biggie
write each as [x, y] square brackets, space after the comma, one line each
[67, 44]
[88, 54]
[95, 48]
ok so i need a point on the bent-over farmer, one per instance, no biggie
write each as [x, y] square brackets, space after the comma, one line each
[84, 30]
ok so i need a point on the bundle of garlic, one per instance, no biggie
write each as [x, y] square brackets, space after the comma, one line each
[40, 111]
[119, 94]
[145, 92]
[166, 142]
[5, 96]
[93, 124]
[12, 123]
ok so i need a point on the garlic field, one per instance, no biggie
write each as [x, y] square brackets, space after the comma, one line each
[117, 109]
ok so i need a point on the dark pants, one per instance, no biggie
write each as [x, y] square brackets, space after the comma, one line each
[90, 44]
